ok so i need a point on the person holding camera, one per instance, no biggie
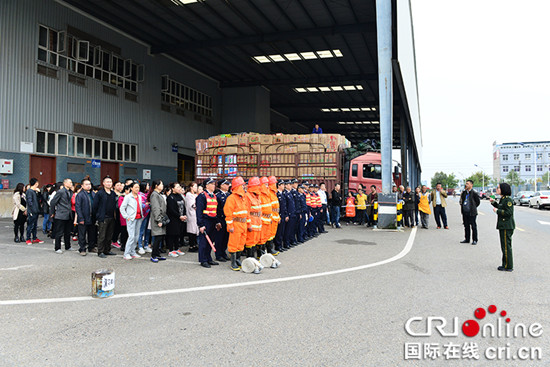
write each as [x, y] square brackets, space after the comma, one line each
[159, 219]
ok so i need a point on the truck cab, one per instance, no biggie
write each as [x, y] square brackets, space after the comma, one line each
[367, 170]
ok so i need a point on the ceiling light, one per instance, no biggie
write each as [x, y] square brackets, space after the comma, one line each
[337, 53]
[312, 89]
[300, 90]
[325, 109]
[365, 109]
[324, 89]
[349, 122]
[337, 88]
[358, 122]
[325, 54]
[374, 122]
[345, 109]
[182, 2]
[341, 123]
[293, 57]
[261, 59]
[335, 109]
[349, 87]
[308, 55]
[359, 87]
[277, 58]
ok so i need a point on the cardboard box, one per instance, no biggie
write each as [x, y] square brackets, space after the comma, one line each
[254, 139]
[290, 149]
[201, 145]
[278, 138]
[243, 140]
[232, 140]
[266, 139]
[302, 138]
[226, 150]
[303, 148]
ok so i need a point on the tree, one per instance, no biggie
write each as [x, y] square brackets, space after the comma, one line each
[545, 179]
[447, 181]
[512, 178]
[477, 178]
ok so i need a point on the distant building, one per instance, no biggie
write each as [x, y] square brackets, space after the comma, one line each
[529, 159]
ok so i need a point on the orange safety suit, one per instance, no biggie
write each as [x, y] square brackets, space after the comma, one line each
[254, 221]
[265, 201]
[275, 217]
[350, 207]
[236, 215]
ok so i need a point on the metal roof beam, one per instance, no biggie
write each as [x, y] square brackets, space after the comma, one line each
[302, 82]
[367, 27]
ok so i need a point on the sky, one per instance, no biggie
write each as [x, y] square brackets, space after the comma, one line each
[483, 71]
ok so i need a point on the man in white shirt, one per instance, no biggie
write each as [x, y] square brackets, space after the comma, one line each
[324, 201]
[439, 203]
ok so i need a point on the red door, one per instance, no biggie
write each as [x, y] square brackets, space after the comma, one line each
[43, 169]
[110, 169]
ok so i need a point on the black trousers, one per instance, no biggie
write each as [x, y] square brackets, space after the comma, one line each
[156, 246]
[222, 238]
[172, 242]
[440, 215]
[19, 224]
[86, 236]
[63, 229]
[106, 229]
[470, 222]
[280, 235]
[408, 216]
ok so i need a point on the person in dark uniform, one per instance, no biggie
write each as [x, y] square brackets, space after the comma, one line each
[299, 210]
[291, 210]
[222, 236]
[207, 206]
[505, 224]
[279, 236]
[303, 215]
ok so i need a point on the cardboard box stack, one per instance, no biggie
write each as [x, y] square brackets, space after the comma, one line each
[277, 143]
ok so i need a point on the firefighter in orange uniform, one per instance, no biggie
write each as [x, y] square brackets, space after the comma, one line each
[265, 202]
[236, 214]
[275, 218]
[254, 221]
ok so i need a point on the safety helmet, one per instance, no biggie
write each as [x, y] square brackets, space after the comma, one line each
[264, 180]
[254, 181]
[272, 180]
[237, 181]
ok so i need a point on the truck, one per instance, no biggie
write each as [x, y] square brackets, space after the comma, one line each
[315, 158]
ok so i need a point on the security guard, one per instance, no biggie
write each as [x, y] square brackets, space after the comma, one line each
[299, 209]
[283, 213]
[291, 210]
[222, 236]
[207, 206]
[505, 224]
[236, 215]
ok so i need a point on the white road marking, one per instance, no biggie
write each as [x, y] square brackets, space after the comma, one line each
[544, 223]
[404, 251]
[520, 229]
[17, 267]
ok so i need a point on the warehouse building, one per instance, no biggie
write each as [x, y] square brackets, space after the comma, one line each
[125, 87]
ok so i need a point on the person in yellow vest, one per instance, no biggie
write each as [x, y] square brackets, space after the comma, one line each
[254, 221]
[236, 214]
[207, 207]
[361, 201]
[424, 207]
[265, 202]
[275, 217]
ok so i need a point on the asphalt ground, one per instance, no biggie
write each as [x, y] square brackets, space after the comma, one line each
[324, 306]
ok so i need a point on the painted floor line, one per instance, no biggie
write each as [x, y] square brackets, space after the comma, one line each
[17, 267]
[404, 251]
[520, 229]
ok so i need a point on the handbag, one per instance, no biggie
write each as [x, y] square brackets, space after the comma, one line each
[165, 220]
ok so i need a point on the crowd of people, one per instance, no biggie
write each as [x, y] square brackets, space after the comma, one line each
[242, 217]
[260, 215]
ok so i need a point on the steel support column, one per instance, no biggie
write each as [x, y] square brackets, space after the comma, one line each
[412, 181]
[404, 144]
[385, 81]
